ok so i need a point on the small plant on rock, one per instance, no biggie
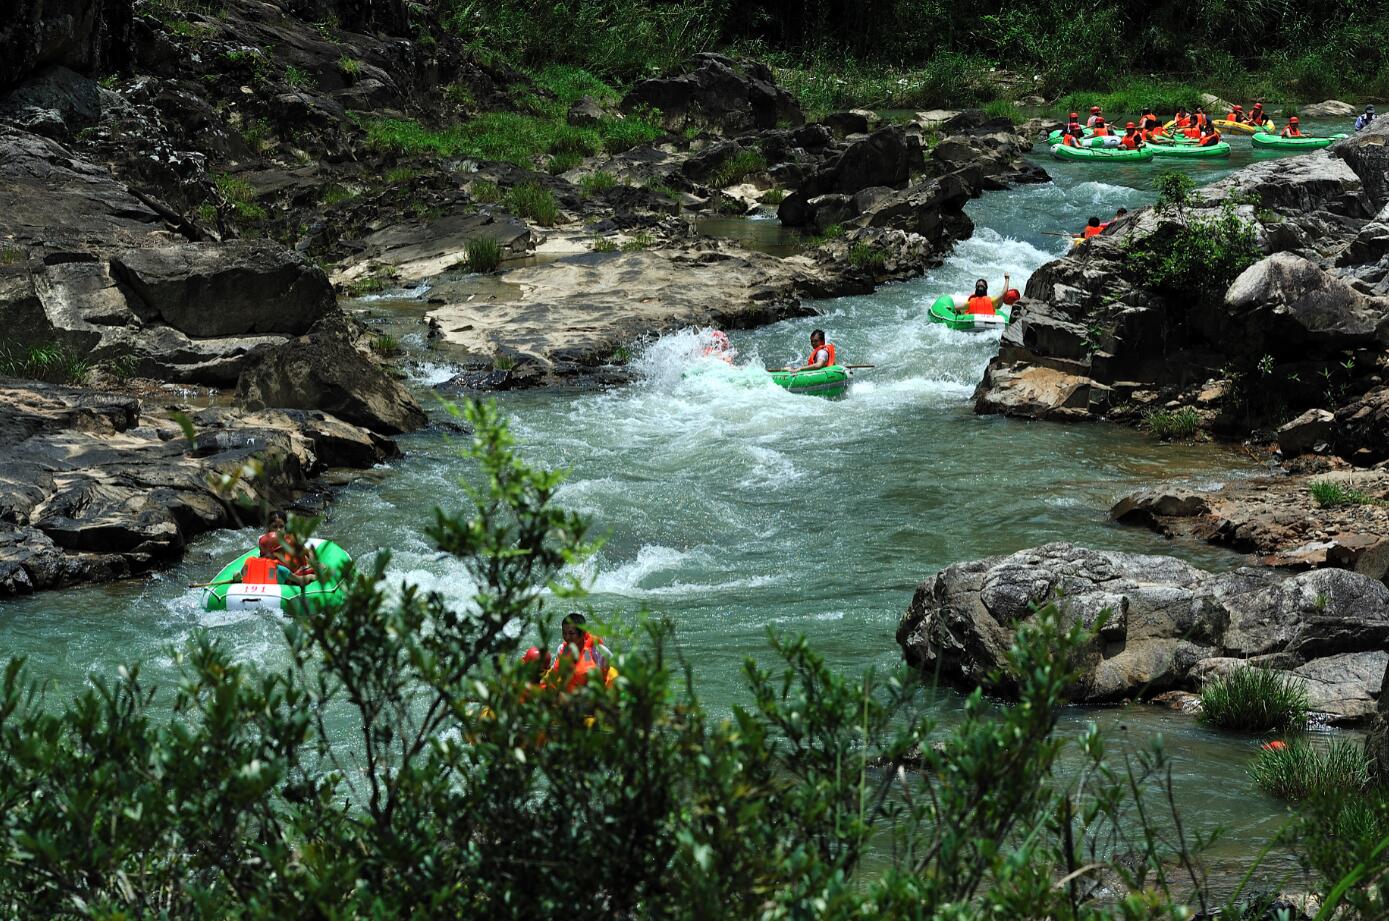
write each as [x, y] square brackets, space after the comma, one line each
[336, 194]
[594, 183]
[1173, 189]
[773, 197]
[563, 163]
[603, 245]
[736, 168]
[534, 202]
[485, 192]
[49, 362]
[1255, 700]
[350, 67]
[1173, 424]
[297, 77]
[1330, 494]
[385, 345]
[484, 254]
[867, 257]
[638, 242]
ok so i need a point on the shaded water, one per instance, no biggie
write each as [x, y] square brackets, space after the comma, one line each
[733, 507]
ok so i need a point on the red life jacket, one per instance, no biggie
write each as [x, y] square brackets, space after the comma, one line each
[261, 571]
[1183, 122]
[1202, 119]
[1210, 140]
[1130, 142]
[1070, 140]
[1092, 232]
[829, 347]
[1101, 131]
[590, 659]
[1193, 132]
[980, 303]
[1292, 131]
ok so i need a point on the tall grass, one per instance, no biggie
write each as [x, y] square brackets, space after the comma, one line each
[1173, 424]
[50, 362]
[511, 137]
[1300, 770]
[737, 168]
[484, 254]
[1254, 700]
[535, 202]
[1330, 494]
[947, 79]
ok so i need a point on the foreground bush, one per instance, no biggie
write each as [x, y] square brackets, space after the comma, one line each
[1254, 700]
[405, 764]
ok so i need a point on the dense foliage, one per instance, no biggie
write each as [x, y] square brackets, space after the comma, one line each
[404, 763]
[1319, 47]
[1255, 700]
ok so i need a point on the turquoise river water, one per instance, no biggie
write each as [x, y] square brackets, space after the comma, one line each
[734, 507]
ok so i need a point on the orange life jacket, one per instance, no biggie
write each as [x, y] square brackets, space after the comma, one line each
[1070, 140]
[1183, 122]
[1100, 132]
[1210, 140]
[261, 571]
[577, 670]
[1292, 131]
[829, 347]
[1193, 132]
[1202, 119]
[980, 303]
[1130, 142]
[1092, 232]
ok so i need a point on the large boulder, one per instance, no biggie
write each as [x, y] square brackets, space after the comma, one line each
[1164, 622]
[1331, 108]
[1286, 304]
[238, 288]
[1367, 153]
[717, 92]
[1362, 428]
[1377, 742]
[325, 370]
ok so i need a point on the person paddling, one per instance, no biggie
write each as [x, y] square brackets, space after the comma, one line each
[980, 302]
[1200, 119]
[1181, 120]
[821, 353]
[1073, 136]
[1132, 139]
[1096, 117]
[266, 568]
[1292, 129]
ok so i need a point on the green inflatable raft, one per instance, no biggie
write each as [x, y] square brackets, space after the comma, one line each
[225, 595]
[1102, 154]
[829, 381]
[1194, 151]
[946, 312]
[1274, 142]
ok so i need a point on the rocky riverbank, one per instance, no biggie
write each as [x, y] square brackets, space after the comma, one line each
[1169, 626]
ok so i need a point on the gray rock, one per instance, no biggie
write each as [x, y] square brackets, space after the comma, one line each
[1362, 428]
[239, 288]
[79, 34]
[324, 370]
[717, 92]
[1367, 153]
[586, 112]
[1377, 742]
[1287, 300]
[853, 121]
[1331, 108]
[1168, 623]
[1310, 431]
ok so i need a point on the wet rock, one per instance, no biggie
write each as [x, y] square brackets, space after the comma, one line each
[1377, 742]
[1164, 619]
[95, 488]
[324, 370]
[1310, 431]
[420, 249]
[78, 34]
[719, 93]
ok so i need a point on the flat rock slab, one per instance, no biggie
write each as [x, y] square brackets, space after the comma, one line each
[577, 311]
[1166, 625]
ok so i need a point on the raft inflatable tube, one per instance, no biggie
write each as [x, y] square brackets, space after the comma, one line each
[1102, 154]
[329, 588]
[948, 313]
[828, 381]
[1239, 127]
[1194, 151]
[1275, 142]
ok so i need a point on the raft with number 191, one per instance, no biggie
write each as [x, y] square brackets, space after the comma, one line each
[328, 587]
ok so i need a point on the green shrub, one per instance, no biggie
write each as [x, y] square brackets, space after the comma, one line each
[1133, 96]
[1198, 260]
[484, 191]
[49, 362]
[534, 202]
[736, 168]
[1300, 770]
[867, 258]
[597, 182]
[351, 67]
[948, 79]
[1173, 425]
[638, 242]
[1330, 494]
[563, 163]
[1255, 700]
[602, 245]
[335, 194]
[1001, 108]
[570, 84]
[399, 175]
[621, 134]
[459, 94]
[773, 197]
[1174, 189]
[297, 77]
[484, 254]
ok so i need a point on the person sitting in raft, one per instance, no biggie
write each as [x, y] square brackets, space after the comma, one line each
[821, 353]
[267, 569]
[1209, 136]
[1366, 118]
[1095, 117]
[1132, 140]
[1236, 115]
[1293, 129]
[296, 556]
[1073, 136]
[979, 302]
[1256, 114]
[1199, 118]
[579, 653]
[719, 347]
[1151, 123]
[1100, 130]
[1181, 120]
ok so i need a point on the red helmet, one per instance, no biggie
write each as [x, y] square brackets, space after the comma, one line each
[1074, 115]
[269, 543]
[1293, 119]
[531, 655]
[1239, 108]
[1011, 296]
[1094, 109]
[1258, 105]
[1130, 125]
[1099, 123]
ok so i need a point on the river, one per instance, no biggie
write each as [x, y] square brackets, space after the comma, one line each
[733, 507]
